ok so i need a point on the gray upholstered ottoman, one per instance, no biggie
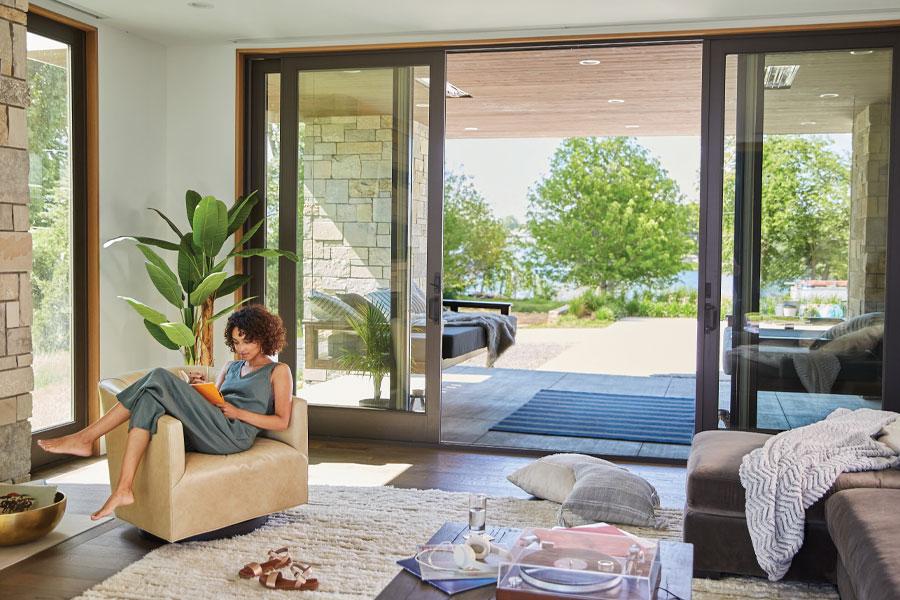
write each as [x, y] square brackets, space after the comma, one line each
[714, 519]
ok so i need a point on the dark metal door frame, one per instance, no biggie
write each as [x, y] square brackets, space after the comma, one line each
[75, 39]
[711, 182]
[329, 420]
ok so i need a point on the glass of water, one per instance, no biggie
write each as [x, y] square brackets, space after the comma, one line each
[477, 512]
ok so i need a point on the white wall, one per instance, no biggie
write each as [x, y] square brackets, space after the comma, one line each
[200, 92]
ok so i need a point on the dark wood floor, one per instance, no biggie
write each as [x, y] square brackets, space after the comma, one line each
[81, 562]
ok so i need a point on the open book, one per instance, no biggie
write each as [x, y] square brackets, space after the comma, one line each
[210, 392]
[207, 390]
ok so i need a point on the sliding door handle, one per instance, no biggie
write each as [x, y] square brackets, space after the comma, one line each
[710, 317]
[436, 301]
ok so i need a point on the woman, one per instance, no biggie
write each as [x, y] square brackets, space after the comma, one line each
[257, 392]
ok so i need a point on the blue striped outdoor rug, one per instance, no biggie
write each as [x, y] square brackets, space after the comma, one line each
[609, 416]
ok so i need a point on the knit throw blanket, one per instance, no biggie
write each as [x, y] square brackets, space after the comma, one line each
[796, 468]
[499, 330]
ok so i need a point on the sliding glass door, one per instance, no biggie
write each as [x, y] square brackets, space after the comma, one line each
[347, 155]
[797, 237]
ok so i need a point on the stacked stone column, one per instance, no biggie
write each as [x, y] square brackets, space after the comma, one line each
[16, 376]
[868, 209]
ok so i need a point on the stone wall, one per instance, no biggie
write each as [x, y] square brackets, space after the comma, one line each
[16, 377]
[347, 203]
[868, 209]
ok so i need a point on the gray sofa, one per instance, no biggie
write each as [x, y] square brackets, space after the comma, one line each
[850, 538]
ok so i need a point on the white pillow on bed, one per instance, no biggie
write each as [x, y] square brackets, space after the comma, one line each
[552, 477]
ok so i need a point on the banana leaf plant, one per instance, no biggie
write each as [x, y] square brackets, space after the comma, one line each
[197, 277]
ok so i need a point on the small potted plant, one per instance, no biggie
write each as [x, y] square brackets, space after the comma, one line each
[372, 356]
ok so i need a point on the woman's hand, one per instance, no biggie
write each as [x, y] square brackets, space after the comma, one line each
[230, 410]
[196, 377]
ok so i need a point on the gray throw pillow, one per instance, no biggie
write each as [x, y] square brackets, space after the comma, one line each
[552, 477]
[610, 495]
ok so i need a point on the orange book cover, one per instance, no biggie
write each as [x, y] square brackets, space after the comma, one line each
[210, 392]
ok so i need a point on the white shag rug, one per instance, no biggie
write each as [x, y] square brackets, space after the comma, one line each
[353, 536]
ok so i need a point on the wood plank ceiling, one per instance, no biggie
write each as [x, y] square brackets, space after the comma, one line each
[637, 90]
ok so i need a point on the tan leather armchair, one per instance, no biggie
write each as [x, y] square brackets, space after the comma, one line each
[180, 494]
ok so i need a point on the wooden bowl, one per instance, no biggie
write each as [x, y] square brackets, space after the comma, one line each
[27, 526]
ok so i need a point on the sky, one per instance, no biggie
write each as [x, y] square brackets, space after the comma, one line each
[504, 169]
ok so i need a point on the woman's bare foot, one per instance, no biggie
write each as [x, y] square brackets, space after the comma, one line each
[118, 498]
[68, 444]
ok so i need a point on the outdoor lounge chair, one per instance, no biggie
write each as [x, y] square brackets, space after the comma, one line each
[330, 314]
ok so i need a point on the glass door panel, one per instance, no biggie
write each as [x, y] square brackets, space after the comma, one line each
[362, 224]
[804, 234]
[49, 117]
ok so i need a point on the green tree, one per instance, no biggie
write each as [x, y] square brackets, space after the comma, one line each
[49, 206]
[610, 215]
[805, 209]
[475, 241]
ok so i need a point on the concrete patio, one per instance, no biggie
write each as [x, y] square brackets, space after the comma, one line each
[636, 356]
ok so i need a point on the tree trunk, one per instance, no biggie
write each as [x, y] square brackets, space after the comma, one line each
[204, 335]
[377, 380]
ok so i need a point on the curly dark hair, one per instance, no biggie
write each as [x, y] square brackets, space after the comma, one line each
[258, 325]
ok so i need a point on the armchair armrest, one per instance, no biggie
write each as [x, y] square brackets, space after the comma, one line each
[455, 305]
[297, 433]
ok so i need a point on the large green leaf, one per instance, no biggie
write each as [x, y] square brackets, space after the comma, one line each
[210, 225]
[238, 213]
[231, 284]
[222, 313]
[149, 314]
[155, 259]
[179, 333]
[207, 287]
[191, 200]
[267, 253]
[165, 245]
[160, 336]
[248, 235]
[190, 264]
[237, 247]
[172, 225]
[166, 284]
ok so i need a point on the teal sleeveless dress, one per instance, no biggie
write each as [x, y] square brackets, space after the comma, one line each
[206, 429]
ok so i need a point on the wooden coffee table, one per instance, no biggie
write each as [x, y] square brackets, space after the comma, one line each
[677, 570]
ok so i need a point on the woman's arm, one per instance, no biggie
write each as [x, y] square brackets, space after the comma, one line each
[222, 373]
[282, 386]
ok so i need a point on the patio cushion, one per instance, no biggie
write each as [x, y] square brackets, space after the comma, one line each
[325, 307]
[459, 340]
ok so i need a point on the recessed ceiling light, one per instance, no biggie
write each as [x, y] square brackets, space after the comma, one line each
[807, 122]
[616, 101]
[861, 52]
[471, 128]
[829, 95]
[204, 5]
[353, 71]
[780, 77]
[632, 126]
[420, 105]
[589, 62]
